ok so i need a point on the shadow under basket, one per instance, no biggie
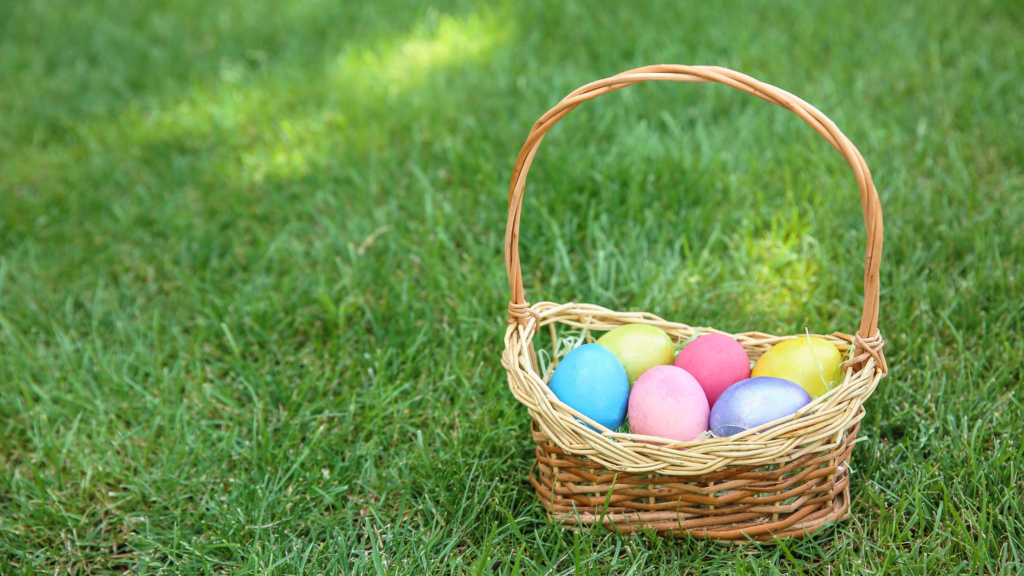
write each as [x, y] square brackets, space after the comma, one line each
[786, 478]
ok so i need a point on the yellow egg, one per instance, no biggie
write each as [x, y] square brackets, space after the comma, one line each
[639, 347]
[813, 363]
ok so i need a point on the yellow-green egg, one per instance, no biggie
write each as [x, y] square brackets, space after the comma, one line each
[813, 363]
[639, 347]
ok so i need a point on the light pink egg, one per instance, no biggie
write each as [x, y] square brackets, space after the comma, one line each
[667, 401]
[716, 361]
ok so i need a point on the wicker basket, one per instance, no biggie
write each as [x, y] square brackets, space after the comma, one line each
[786, 478]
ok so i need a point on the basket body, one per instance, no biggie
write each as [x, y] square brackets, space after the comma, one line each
[795, 497]
[791, 479]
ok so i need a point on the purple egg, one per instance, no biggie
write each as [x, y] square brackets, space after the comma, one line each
[755, 401]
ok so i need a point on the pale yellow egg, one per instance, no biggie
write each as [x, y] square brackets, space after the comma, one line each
[812, 363]
[639, 347]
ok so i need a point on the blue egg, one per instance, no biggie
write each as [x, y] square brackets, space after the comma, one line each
[755, 401]
[592, 380]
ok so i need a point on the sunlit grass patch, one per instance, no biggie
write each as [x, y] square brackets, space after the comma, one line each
[439, 40]
[779, 270]
[269, 123]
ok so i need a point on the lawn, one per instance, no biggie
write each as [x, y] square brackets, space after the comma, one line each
[252, 290]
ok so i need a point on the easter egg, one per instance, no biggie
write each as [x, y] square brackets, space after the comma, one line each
[813, 363]
[717, 361]
[591, 380]
[756, 401]
[667, 401]
[639, 347]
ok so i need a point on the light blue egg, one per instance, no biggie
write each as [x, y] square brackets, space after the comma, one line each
[755, 401]
[592, 380]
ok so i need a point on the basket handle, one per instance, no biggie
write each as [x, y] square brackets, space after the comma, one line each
[868, 342]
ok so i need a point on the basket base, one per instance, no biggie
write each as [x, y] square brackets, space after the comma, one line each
[739, 503]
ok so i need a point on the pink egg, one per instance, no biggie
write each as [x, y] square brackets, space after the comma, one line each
[667, 401]
[716, 361]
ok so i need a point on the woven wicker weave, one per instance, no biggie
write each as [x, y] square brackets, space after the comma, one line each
[786, 478]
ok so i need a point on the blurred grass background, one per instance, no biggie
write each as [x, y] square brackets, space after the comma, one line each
[252, 292]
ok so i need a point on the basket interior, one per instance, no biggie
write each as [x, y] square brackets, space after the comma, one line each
[555, 340]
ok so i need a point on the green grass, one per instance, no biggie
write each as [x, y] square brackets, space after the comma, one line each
[252, 293]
